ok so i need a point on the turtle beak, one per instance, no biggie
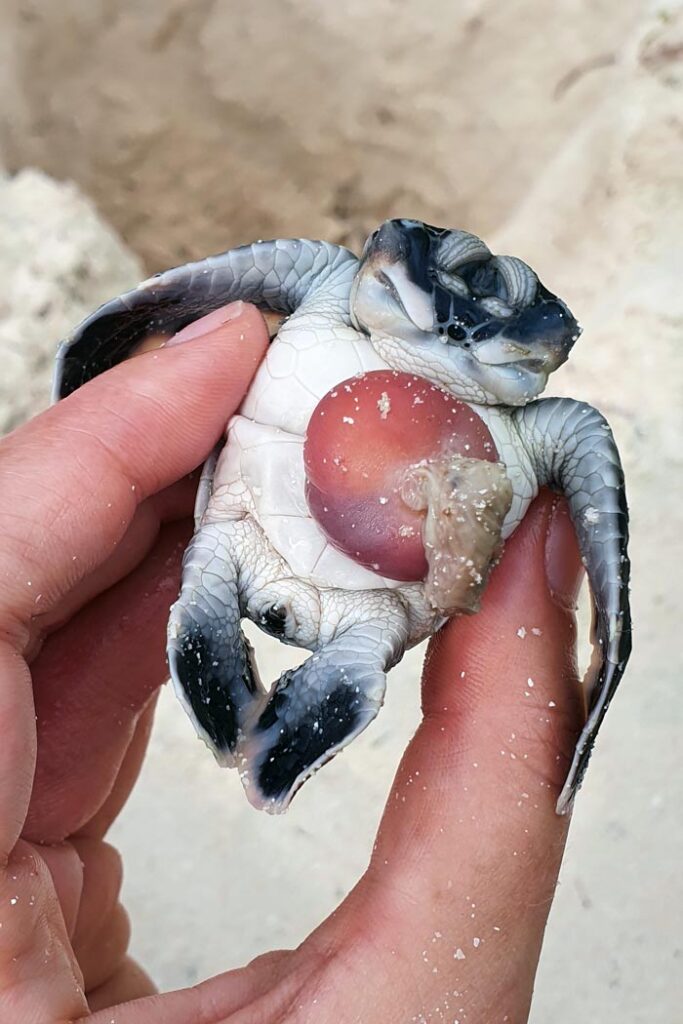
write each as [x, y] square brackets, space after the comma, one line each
[548, 330]
[539, 338]
[499, 352]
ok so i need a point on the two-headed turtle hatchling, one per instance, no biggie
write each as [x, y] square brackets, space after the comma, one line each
[390, 442]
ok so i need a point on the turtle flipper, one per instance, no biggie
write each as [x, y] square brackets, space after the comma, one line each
[276, 275]
[573, 450]
[317, 709]
[210, 659]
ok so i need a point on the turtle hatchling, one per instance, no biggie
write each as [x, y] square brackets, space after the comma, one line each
[392, 439]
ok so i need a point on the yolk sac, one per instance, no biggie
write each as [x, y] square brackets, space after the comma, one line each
[371, 443]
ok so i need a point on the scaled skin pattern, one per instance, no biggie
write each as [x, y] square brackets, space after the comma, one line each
[391, 441]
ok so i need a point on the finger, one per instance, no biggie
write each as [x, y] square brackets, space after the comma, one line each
[66, 869]
[469, 849]
[98, 826]
[101, 878]
[502, 706]
[92, 680]
[18, 746]
[135, 544]
[102, 930]
[265, 990]
[39, 977]
[103, 955]
[74, 475]
[168, 506]
[72, 479]
[129, 983]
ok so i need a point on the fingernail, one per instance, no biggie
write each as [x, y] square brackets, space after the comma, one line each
[207, 325]
[563, 567]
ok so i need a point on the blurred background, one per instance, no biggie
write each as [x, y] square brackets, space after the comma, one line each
[138, 135]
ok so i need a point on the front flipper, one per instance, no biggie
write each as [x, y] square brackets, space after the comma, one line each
[317, 709]
[210, 660]
[573, 450]
[277, 275]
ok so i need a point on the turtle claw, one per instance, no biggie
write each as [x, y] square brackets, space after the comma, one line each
[312, 713]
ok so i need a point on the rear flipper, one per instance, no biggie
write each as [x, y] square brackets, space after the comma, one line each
[278, 275]
[279, 739]
[317, 709]
[572, 449]
[210, 660]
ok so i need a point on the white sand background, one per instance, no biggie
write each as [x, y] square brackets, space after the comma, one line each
[583, 179]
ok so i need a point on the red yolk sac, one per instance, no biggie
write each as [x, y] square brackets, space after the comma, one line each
[365, 439]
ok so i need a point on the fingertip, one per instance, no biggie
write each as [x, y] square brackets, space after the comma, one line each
[515, 595]
[520, 574]
[540, 570]
[238, 321]
[201, 375]
[239, 328]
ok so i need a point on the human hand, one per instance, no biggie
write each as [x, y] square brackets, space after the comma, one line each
[446, 923]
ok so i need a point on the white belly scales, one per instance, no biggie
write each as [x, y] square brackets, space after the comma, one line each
[261, 469]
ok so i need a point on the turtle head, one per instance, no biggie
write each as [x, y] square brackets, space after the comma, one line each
[437, 302]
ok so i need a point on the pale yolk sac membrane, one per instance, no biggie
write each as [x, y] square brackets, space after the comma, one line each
[405, 479]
